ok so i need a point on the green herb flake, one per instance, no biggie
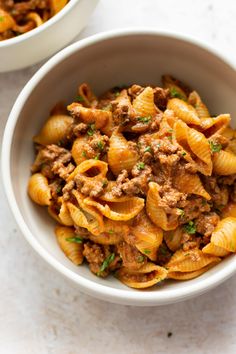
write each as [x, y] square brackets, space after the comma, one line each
[76, 239]
[104, 183]
[1, 18]
[84, 154]
[190, 228]
[100, 145]
[180, 212]
[146, 251]
[79, 98]
[91, 129]
[106, 263]
[170, 130]
[176, 94]
[215, 147]
[111, 232]
[140, 259]
[117, 93]
[148, 149]
[169, 137]
[184, 153]
[144, 119]
[58, 190]
[141, 165]
[96, 157]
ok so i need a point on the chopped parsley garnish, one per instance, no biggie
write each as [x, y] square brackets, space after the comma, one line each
[104, 183]
[148, 149]
[58, 190]
[190, 228]
[91, 129]
[140, 259]
[141, 165]
[117, 93]
[100, 145]
[170, 130]
[181, 212]
[79, 98]
[144, 119]
[76, 239]
[96, 157]
[84, 154]
[1, 18]
[111, 232]
[184, 153]
[106, 263]
[176, 94]
[215, 147]
[146, 251]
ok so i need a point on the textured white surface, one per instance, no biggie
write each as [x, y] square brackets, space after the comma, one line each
[40, 312]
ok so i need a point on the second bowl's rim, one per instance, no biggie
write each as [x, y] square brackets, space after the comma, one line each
[102, 291]
[35, 31]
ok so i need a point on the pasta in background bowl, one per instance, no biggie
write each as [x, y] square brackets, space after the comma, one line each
[26, 37]
[120, 59]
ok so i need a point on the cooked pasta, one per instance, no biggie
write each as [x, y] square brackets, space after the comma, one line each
[18, 17]
[141, 181]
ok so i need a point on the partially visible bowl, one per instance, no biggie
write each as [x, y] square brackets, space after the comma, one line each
[43, 41]
[107, 60]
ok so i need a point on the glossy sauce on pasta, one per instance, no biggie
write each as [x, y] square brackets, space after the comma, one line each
[19, 16]
[141, 181]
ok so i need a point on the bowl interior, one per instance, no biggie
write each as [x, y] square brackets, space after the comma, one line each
[137, 58]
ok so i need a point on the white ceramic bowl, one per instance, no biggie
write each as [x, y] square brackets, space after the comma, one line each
[106, 60]
[43, 41]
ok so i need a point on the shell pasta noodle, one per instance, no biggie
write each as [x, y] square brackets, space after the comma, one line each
[141, 182]
[18, 17]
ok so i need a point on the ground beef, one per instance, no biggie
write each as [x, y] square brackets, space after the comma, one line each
[133, 186]
[219, 193]
[206, 223]
[170, 197]
[160, 97]
[79, 129]
[90, 187]
[135, 90]
[95, 255]
[96, 146]
[192, 208]
[56, 187]
[130, 256]
[122, 109]
[67, 190]
[165, 152]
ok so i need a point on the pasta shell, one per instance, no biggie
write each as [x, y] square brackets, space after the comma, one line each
[88, 97]
[92, 219]
[7, 21]
[231, 146]
[216, 125]
[224, 235]
[191, 275]
[39, 190]
[143, 104]
[172, 84]
[189, 261]
[121, 156]
[173, 239]
[217, 251]
[148, 275]
[114, 232]
[74, 251]
[57, 5]
[229, 210]
[33, 16]
[195, 100]
[118, 210]
[155, 212]
[224, 163]
[191, 184]
[148, 237]
[92, 169]
[229, 133]
[183, 111]
[196, 146]
[64, 216]
[77, 149]
[54, 130]
[90, 115]
[52, 212]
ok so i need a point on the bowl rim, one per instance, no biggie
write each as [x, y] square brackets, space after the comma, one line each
[50, 22]
[102, 291]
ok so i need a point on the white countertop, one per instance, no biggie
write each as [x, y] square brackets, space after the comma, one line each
[40, 312]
